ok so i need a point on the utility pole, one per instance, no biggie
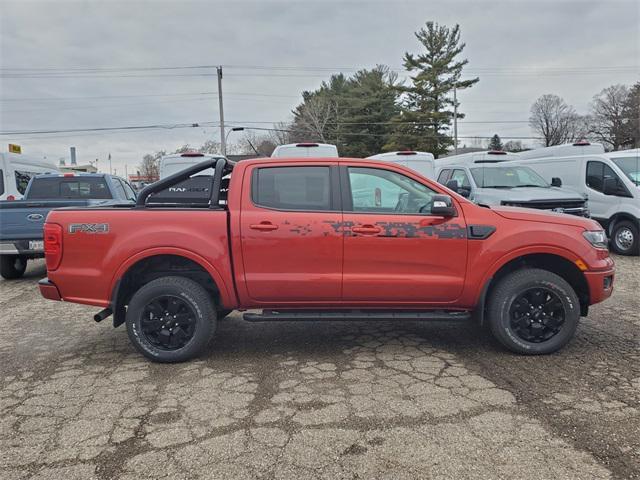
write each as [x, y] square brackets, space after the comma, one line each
[126, 174]
[455, 120]
[223, 140]
[110, 169]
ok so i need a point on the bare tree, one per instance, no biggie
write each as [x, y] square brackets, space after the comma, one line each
[314, 117]
[609, 120]
[150, 165]
[211, 147]
[555, 121]
[281, 133]
[513, 146]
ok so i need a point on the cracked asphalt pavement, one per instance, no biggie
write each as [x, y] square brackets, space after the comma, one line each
[317, 400]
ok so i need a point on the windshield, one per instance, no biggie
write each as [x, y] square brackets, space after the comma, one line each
[507, 177]
[630, 166]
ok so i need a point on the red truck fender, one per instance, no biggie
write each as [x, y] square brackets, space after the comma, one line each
[227, 296]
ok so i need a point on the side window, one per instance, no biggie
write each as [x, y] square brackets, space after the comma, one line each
[22, 180]
[595, 175]
[118, 189]
[461, 177]
[1, 182]
[597, 172]
[375, 190]
[292, 188]
[131, 195]
[443, 177]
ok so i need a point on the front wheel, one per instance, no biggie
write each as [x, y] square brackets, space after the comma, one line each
[533, 312]
[624, 238]
[171, 319]
[12, 266]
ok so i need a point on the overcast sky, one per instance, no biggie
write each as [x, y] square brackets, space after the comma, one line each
[519, 49]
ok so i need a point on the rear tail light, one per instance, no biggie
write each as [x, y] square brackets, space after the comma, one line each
[496, 152]
[52, 245]
[307, 145]
[581, 143]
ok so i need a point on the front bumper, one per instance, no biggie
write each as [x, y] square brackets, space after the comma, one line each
[48, 290]
[600, 285]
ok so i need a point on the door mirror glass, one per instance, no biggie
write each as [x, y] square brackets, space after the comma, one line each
[443, 206]
[556, 182]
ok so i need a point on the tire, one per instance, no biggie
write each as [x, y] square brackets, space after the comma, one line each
[150, 319]
[533, 331]
[625, 238]
[12, 266]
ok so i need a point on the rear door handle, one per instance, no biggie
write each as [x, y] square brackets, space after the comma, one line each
[366, 230]
[264, 226]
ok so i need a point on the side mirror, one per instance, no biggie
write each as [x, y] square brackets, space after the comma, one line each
[455, 186]
[556, 182]
[452, 185]
[443, 206]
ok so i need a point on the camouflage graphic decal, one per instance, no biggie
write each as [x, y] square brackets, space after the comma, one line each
[406, 229]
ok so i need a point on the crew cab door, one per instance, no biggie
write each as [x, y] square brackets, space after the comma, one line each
[291, 245]
[395, 251]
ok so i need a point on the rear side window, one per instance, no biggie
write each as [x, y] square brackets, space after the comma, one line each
[292, 188]
[73, 187]
[22, 180]
[118, 188]
[442, 178]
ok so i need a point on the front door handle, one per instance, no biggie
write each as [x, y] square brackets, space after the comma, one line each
[264, 226]
[366, 230]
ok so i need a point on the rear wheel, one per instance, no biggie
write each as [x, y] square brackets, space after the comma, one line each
[533, 312]
[12, 266]
[624, 238]
[171, 319]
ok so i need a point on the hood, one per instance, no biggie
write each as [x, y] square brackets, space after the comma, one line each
[545, 216]
[528, 194]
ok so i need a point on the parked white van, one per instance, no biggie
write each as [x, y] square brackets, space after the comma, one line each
[421, 162]
[16, 170]
[611, 184]
[301, 150]
[492, 156]
[578, 148]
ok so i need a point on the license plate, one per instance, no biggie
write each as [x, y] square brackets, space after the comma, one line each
[36, 245]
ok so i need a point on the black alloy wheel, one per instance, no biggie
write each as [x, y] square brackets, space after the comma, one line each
[537, 315]
[168, 322]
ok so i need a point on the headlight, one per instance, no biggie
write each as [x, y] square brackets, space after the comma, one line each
[597, 238]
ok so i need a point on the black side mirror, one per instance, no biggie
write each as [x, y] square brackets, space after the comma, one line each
[556, 182]
[455, 186]
[443, 206]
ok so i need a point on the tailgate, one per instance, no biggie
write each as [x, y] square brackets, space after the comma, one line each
[22, 220]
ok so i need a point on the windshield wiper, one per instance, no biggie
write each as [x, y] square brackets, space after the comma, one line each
[531, 185]
[497, 186]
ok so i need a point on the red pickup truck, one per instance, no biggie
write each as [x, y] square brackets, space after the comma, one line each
[322, 239]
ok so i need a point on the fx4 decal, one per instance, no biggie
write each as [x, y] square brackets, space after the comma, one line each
[89, 228]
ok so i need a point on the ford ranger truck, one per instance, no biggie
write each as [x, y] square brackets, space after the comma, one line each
[323, 239]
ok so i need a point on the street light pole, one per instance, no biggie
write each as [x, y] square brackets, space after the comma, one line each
[223, 139]
[455, 120]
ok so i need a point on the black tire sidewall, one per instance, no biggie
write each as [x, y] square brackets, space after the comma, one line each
[190, 292]
[8, 268]
[506, 293]
[635, 247]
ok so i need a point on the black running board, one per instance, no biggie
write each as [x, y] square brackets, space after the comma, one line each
[360, 315]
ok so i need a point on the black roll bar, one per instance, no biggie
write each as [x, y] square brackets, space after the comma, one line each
[220, 165]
